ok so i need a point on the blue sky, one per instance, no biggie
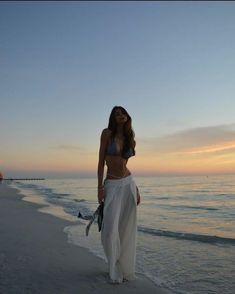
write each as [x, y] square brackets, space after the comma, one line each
[64, 65]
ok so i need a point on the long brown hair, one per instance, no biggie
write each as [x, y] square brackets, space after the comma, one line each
[128, 132]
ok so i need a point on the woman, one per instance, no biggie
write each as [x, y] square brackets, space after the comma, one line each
[120, 196]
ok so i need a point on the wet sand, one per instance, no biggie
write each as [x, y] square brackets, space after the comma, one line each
[35, 256]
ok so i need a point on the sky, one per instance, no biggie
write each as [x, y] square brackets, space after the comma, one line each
[64, 65]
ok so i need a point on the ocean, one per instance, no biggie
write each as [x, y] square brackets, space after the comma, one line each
[186, 226]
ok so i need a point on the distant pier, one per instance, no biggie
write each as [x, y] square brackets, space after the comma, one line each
[23, 179]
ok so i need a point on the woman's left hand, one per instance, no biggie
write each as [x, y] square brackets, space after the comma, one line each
[138, 196]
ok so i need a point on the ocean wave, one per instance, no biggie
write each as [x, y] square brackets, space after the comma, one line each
[64, 194]
[157, 198]
[196, 207]
[187, 236]
[43, 190]
[70, 206]
[29, 186]
[184, 206]
[79, 200]
[225, 196]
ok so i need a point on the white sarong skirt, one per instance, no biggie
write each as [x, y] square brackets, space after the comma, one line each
[118, 234]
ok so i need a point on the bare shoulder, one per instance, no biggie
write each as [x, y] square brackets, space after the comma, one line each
[106, 133]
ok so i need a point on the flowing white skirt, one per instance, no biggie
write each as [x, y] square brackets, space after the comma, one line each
[118, 234]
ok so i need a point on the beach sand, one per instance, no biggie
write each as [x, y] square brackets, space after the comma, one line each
[35, 256]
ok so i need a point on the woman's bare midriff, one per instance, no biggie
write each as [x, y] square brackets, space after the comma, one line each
[117, 168]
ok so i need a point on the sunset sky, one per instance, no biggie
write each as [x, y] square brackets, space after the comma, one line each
[64, 65]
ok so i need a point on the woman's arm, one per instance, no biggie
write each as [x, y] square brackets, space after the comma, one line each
[100, 172]
[137, 195]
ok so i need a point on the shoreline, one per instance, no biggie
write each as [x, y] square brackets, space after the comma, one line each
[36, 257]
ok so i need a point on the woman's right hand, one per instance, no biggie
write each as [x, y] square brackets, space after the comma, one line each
[100, 195]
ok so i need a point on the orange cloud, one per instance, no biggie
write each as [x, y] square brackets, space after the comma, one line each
[209, 149]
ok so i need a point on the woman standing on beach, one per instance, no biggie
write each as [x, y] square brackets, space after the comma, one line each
[120, 196]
